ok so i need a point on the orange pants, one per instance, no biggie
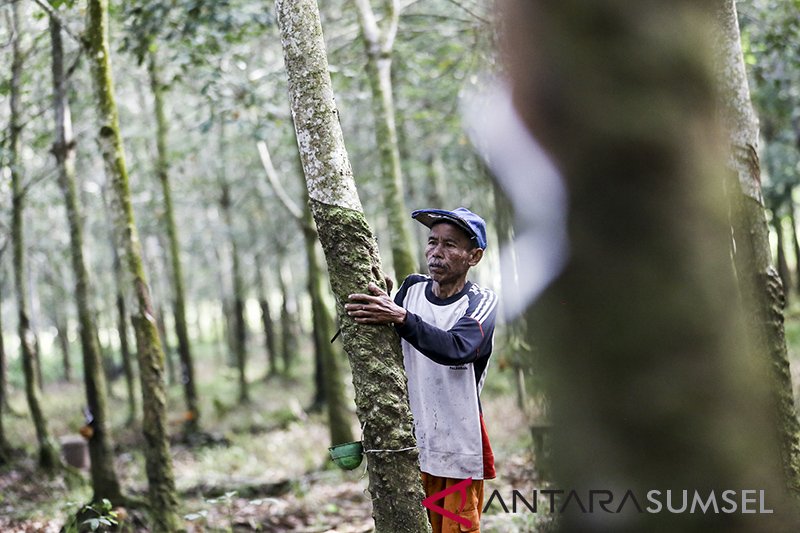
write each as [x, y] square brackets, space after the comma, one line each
[452, 502]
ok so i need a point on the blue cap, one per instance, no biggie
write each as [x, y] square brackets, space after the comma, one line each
[462, 217]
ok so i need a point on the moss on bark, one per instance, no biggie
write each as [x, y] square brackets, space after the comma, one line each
[192, 417]
[48, 456]
[161, 481]
[760, 284]
[352, 255]
[653, 384]
[105, 483]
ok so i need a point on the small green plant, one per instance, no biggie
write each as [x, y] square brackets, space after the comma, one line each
[92, 517]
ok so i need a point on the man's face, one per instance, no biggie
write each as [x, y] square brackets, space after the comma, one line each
[450, 253]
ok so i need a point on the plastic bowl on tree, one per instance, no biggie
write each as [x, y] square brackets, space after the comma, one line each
[347, 456]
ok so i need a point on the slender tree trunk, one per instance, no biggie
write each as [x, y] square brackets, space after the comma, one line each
[783, 265]
[267, 323]
[163, 497]
[289, 319]
[63, 344]
[161, 326]
[5, 447]
[379, 43]
[643, 333]
[515, 331]
[240, 326]
[122, 314]
[352, 256]
[332, 386]
[48, 456]
[329, 390]
[759, 284]
[795, 242]
[104, 479]
[181, 331]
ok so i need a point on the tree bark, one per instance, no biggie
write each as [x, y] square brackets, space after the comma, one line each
[379, 43]
[289, 321]
[5, 447]
[122, 314]
[267, 323]
[760, 286]
[161, 481]
[643, 335]
[795, 242]
[328, 376]
[352, 256]
[783, 265]
[48, 456]
[105, 483]
[192, 419]
[240, 326]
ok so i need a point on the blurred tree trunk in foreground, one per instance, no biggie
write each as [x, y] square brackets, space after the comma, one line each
[187, 379]
[378, 42]
[760, 285]
[652, 382]
[352, 256]
[48, 455]
[160, 477]
[105, 483]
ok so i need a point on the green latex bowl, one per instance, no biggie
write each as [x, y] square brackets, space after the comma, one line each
[347, 456]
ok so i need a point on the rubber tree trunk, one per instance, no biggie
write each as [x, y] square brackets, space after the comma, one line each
[267, 322]
[161, 481]
[795, 241]
[759, 283]
[48, 456]
[352, 255]
[289, 319]
[642, 332]
[328, 386]
[332, 385]
[379, 42]
[5, 447]
[161, 327]
[783, 265]
[515, 332]
[239, 324]
[105, 483]
[162, 169]
[122, 313]
[63, 344]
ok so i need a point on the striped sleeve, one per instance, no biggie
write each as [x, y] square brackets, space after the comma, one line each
[464, 342]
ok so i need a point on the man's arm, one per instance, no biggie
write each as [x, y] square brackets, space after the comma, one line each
[457, 345]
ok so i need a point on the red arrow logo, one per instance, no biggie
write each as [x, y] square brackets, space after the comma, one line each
[460, 487]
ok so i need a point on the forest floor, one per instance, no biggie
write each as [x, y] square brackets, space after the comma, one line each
[268, 471]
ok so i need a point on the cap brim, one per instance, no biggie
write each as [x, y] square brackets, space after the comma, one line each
[431, 217]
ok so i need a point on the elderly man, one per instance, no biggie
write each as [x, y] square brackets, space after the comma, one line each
[446, 326]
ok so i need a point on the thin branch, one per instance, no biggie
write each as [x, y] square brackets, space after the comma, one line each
[469, 11]
[369, 26]
[280, 192]
[51, 12]
[393, 17]
[13, 35]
